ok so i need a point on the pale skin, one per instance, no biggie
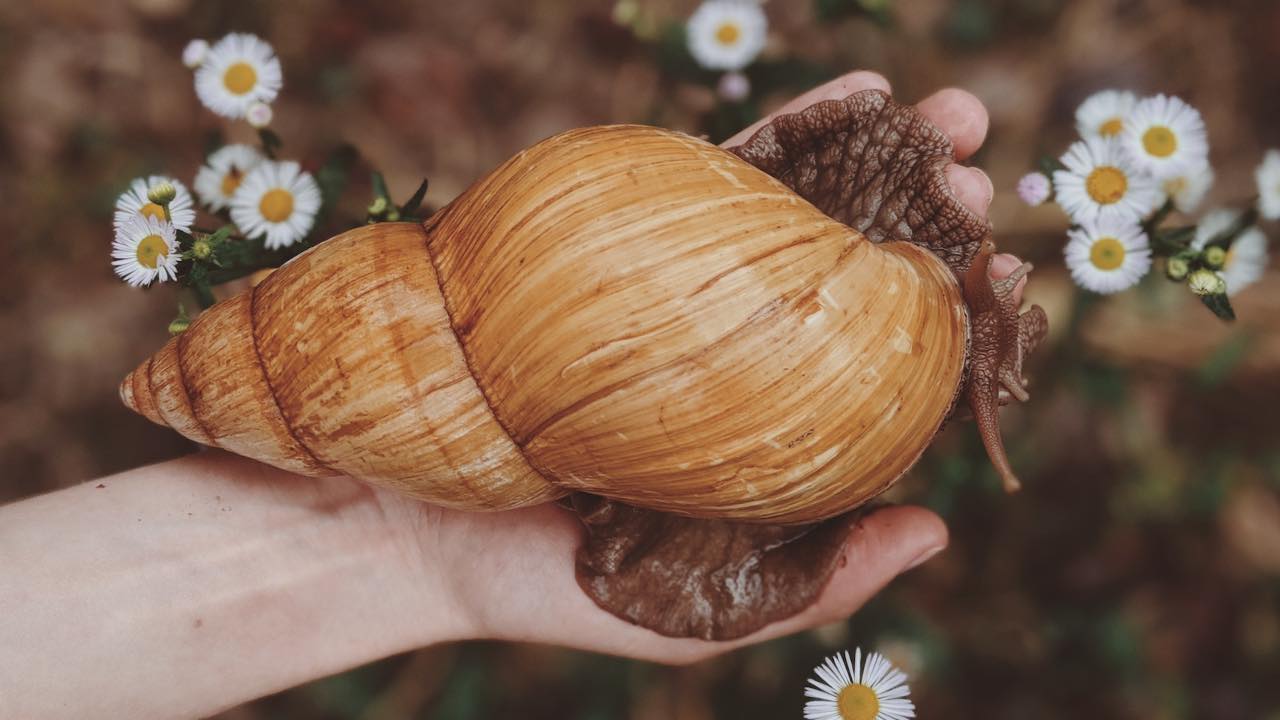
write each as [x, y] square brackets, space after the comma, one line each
[191, 586]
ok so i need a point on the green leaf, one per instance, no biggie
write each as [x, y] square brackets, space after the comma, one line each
[1172, 241]
[1048, 164]
[212, 142]
[1220, 306]
[270, 142]
[412, 205]
[221, 234]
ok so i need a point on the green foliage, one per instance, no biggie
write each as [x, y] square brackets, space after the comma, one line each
[271, 142]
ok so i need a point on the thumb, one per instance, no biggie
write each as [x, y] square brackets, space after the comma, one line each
[881, 546]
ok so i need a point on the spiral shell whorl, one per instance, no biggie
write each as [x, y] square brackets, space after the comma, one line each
[342, 362]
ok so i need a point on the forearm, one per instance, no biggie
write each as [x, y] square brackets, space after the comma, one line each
[183, 588]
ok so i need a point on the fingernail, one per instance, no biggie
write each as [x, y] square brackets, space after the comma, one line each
[923, 557]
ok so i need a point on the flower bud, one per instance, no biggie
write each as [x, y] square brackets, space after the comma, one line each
[201, 249]
[377, 207]
[258, 115]
[194, 54]
[1034, 188]
[162, 193]
[734, 87]
[1206, 282]
[179, 325]
[1176, 268]
[625, 12]
[1215, 257]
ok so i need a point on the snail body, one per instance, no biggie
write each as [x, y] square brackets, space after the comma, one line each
[621, 310]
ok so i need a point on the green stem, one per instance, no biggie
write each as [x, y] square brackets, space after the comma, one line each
[204, 295]
[1159, 217]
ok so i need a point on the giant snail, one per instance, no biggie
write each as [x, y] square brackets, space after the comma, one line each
[711, 352]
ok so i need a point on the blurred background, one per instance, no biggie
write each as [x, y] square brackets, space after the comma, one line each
[1137, 575]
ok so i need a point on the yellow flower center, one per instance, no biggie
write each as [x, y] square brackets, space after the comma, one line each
[150, 250]
[727, 34]
[152, 210]
[1111, 128]
[276, 205]
[231, 181]
[858, 702]
[1107, 253]
[1159, 141]
[1106, 184]
[240, 78]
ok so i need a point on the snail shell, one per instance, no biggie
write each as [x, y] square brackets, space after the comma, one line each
[620, 310]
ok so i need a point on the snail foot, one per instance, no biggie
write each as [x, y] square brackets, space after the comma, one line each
[1000, 340]
[708, 579]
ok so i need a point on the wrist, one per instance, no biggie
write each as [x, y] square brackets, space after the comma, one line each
[186, 587]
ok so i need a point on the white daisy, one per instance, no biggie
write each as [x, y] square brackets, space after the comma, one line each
[239, 70]
[1102, 184]
[1165, 136]
[145, 250]
[1102, 115]
[1268, 177]
[726, 34]
[1247, 256]
[1188, 188]
[1214, 223]
[134, 202]
[847, 689]
[194, 53]
[276, 200]
[1108, 257]
[222, 173]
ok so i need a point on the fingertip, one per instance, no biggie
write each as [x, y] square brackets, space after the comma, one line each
[971, 187]
[1001, 265]
[881, 546]
[836, 89]
[960, 115]
[859, 80]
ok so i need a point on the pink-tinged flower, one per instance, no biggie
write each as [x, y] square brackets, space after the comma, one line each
[1034, 188]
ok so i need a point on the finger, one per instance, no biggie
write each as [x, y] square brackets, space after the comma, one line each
[882, 546]
[971, 187]
[837, 89]
[960, 115]
[1002, 265]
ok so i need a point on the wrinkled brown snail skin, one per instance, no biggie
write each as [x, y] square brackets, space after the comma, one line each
[631, 313]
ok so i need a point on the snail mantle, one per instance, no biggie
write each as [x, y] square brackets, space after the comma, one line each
[711, 356]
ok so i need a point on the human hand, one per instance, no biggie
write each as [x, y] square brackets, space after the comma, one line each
[513, 573]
